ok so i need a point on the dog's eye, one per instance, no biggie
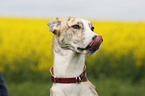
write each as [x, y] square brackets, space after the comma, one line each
[92, 28]
[76, 26]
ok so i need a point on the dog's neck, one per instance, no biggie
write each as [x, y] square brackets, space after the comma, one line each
[66, 63]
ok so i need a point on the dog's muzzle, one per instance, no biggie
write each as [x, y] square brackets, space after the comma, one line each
[93, 46]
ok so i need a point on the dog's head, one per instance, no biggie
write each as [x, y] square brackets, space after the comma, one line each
[75, 34]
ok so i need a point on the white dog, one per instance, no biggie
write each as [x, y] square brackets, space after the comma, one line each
[73, 38]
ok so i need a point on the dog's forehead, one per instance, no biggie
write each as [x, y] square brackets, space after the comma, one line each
[87, 23]
[75, 20]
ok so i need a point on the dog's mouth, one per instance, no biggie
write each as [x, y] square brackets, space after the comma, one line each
[93, 46]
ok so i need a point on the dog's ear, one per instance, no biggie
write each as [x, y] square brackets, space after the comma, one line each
[54, 25]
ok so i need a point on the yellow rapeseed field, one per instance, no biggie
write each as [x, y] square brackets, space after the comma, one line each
[21, 38]
[28, 40]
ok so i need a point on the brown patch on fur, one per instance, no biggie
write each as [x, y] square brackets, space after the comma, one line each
[62, 28]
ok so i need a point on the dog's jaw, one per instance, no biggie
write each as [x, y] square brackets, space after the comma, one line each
[92, 47]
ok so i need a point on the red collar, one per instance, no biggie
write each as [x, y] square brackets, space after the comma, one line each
[79, 79]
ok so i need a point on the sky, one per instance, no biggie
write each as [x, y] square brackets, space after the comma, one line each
[131, 10]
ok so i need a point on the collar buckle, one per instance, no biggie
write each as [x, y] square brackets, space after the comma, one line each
[78, 79]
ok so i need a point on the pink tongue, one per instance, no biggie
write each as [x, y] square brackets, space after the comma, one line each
[96, 43]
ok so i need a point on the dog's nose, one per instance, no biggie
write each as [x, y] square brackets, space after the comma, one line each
[94, 37]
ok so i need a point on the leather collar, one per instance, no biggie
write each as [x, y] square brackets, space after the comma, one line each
[79, 79]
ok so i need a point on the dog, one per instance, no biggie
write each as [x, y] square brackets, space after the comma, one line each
[73, 39]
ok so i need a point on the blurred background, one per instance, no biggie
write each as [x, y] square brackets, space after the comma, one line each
[117, 69]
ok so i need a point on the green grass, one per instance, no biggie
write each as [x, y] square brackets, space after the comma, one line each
[29, 89]
[104, 87]
[117, 87]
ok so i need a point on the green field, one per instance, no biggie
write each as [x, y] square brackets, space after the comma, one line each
[104, 87]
